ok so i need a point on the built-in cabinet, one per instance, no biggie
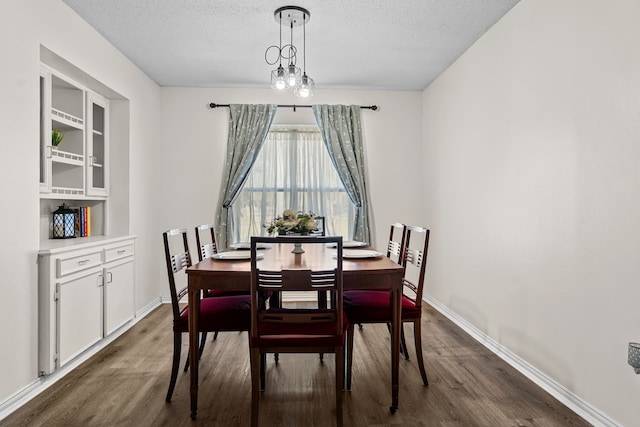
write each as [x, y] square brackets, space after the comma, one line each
[86, 284]
[77, 167]
[86, 293]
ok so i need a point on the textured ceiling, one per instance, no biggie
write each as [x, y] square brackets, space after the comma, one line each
[355, 44]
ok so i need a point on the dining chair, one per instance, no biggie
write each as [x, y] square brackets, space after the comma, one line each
[297, 330]
[375, 306]
[224, 313]
[395, 253]
[207, 248]
[395, 246]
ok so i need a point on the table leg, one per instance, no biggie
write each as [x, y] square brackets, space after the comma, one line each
[194, 311]
[396, 323]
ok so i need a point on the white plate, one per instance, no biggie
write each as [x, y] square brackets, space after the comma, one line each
[361, 253]
[348, 244]
[247, 245]
[233, 255]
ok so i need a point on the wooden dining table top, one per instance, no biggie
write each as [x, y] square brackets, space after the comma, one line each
[237, 272]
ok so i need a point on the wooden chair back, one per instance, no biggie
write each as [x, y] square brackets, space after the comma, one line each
[416, 248]
[396, 242]
[301, 279]
[178, 258]
[206, 241]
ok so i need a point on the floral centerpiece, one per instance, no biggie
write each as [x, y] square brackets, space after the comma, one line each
[293, 223]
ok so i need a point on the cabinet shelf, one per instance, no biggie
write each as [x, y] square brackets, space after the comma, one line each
[66, 191]
[66, 157]
[65, 119]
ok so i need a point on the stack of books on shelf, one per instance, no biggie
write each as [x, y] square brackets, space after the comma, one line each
[83, 221]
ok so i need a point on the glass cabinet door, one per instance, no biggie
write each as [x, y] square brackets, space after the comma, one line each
[62, 156]
[45, 131]
[97, 150]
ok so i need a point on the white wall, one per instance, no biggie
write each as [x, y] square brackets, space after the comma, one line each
[195, 138]
[532, 179]
[26, 25]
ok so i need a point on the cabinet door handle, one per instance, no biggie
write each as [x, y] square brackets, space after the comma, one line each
[109, 277]
[83, 261]
[122, 251]
[100, 280]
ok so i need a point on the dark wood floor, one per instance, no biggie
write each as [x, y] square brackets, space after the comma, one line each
[125, 385]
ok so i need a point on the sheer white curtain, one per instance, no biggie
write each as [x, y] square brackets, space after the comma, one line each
[292, 171]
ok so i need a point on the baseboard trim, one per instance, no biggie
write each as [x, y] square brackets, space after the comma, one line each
[21, 397]
[557, 390]
[153, 304]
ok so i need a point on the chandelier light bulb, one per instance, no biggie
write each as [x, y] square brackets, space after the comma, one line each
[278, 80]
[280, 83]
[306, 87]
[291, 78]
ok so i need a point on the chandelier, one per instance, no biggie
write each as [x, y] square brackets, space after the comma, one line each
[289, 75]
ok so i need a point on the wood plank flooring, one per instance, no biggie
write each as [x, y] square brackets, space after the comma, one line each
[125, 385]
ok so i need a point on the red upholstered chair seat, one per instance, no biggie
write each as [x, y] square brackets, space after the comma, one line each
[230, 313]
[212, 293]
[375, 306]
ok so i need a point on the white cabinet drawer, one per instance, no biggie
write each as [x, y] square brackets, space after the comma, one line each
[112, 253]
[74, 264]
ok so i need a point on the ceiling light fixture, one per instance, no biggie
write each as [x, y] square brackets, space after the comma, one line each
[289, 76]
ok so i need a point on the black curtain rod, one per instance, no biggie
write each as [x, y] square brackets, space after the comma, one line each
[294, 106]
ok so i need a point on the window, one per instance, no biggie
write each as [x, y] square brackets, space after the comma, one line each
[292, 171]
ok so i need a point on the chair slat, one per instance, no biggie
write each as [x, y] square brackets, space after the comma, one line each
[180, 261]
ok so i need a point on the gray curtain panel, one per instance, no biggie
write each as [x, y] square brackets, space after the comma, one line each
[341, 130]
[248, 128]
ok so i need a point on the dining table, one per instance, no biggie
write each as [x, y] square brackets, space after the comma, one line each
[363, 269]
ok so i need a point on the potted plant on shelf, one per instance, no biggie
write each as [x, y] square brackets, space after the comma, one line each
[56, 137]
